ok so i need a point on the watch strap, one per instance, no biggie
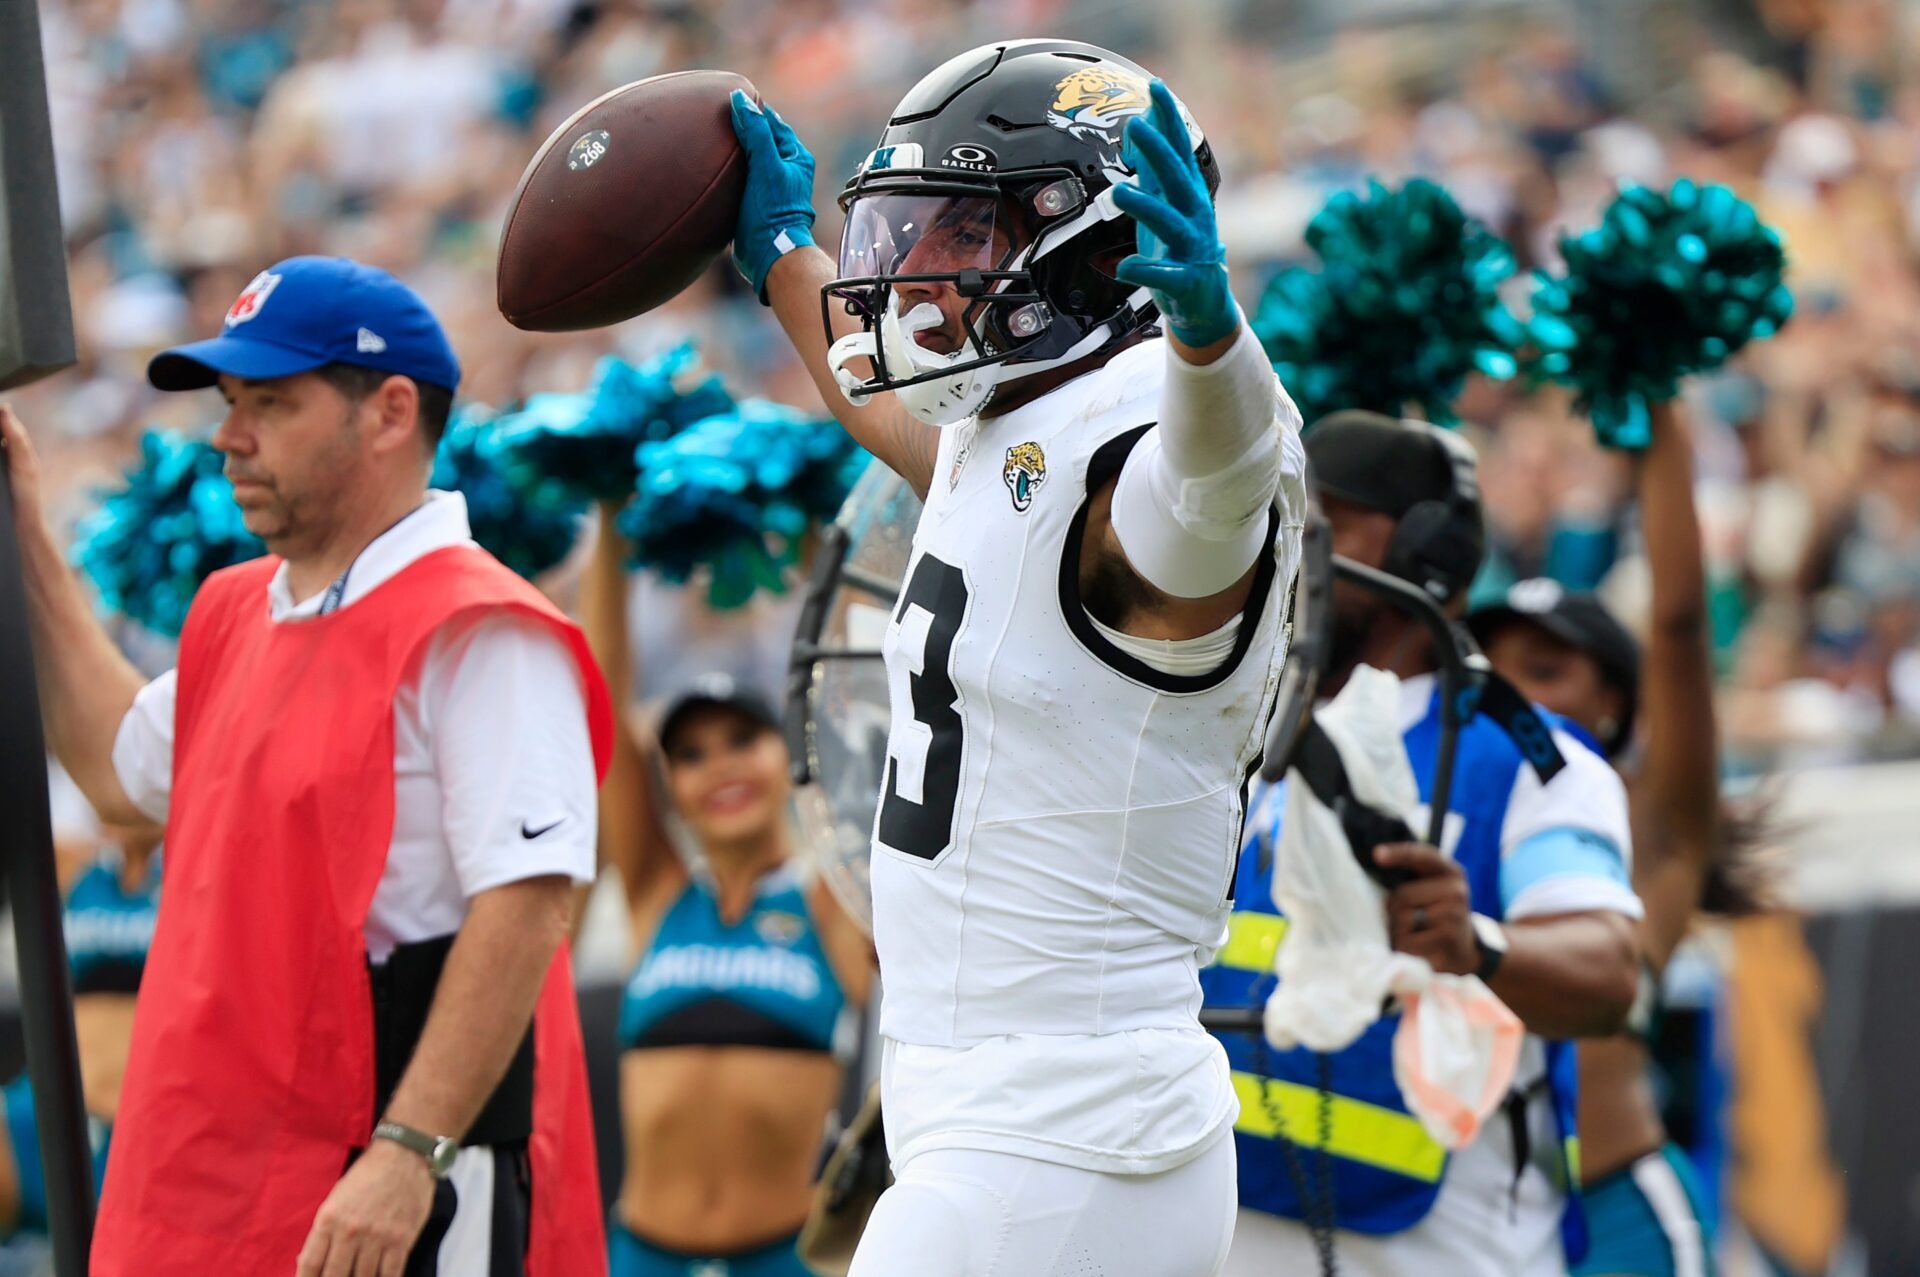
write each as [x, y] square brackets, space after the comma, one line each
[1491, 955]
[438, 1150]
[1490, 959]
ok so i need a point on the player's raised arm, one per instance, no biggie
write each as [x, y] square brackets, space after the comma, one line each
[774, 249]
[1190, 507]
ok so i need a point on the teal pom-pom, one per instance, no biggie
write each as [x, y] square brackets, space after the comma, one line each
[1667, 285]
[529, 524]
[174, 523]
[153, 541]
[587, 442]
[1405, 303]
[736, 494]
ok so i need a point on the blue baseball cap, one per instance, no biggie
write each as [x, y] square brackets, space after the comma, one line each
[306, 312]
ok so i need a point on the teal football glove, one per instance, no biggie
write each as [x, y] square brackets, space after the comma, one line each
[1181, 259]
[776, 213]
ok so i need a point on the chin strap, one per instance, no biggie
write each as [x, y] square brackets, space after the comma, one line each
[852, 346]
[895, 339]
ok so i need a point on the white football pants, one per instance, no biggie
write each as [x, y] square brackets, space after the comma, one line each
[961, 1213]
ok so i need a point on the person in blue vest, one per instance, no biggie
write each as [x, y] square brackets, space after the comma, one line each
[1646, 1209]
[728, 1067]
[109, 914]
[1530, 891]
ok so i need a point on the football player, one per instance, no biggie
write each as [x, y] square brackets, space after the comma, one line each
[1031, 323]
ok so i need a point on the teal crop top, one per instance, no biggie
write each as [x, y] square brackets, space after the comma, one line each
[109, 928]
[764, 981]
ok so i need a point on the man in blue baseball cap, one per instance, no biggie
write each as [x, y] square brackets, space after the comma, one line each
[310, 343]
[379, 756]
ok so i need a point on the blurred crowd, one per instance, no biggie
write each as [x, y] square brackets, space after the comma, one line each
[201, 139]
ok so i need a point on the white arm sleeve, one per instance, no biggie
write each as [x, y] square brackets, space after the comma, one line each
[1190, 506]
[143, 748]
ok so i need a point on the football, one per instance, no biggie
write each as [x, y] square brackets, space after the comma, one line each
[624, 205]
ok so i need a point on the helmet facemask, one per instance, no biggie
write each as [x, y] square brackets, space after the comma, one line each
[944, 276]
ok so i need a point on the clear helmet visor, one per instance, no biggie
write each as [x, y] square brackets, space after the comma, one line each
[929, 274]
[923, 242]
[921, 234]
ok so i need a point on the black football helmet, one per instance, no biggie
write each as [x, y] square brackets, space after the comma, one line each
[994, 179]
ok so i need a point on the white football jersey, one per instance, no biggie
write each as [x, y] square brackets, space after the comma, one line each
[1059, 821]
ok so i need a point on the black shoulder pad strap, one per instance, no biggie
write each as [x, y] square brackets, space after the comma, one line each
[1502, 702]
[1319, 764]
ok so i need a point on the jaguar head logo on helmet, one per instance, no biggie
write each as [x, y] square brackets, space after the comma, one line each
[968, 279]
[1098, 101]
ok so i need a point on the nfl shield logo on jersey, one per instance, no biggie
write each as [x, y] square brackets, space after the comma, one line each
[1025, 471]
[252, 298]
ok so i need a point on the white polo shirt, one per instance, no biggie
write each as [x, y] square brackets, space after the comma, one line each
[492, 763]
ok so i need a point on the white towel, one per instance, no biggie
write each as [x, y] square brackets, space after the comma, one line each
[1457, 1046]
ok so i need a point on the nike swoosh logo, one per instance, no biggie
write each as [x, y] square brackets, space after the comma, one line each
[535, 833]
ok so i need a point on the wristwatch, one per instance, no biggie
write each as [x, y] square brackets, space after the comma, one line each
[1490, 938]
[437, 1149]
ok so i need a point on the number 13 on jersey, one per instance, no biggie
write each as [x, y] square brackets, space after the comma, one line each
[922, 787]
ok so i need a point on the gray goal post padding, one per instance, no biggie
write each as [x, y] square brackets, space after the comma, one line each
[36, 338]
[36, 317]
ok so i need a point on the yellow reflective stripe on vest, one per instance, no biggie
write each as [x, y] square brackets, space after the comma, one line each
[1252, 940]
[1359, 1131]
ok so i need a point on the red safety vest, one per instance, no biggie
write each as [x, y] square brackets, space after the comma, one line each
[251, 1076]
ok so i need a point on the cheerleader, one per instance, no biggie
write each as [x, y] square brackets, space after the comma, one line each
[743, 970]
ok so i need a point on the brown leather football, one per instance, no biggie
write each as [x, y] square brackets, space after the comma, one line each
[625, 204]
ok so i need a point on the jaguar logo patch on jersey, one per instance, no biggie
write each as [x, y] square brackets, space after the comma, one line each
[1095, 102]
[1025, 471]
[777, 927]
